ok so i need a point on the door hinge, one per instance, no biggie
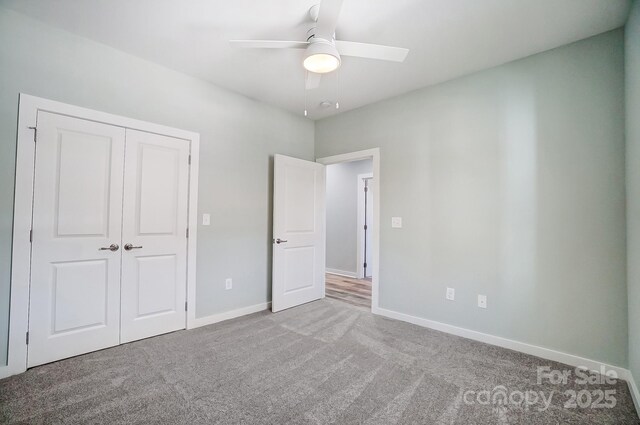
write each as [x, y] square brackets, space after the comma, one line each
[189, 159]
[187, 233]
[31, 236]
[365, 265]
[27, 338]
[365, 227]
[35, 133]
[366, 189]
[186, 303]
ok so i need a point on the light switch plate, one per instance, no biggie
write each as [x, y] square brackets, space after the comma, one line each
[482, 301]
[451, 294]
[206, 219]
[228, 283]
[396, 222]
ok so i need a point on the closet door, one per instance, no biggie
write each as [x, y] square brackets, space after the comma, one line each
[77, 217]
[154, 259]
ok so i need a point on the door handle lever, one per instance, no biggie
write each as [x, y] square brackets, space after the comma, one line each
[279, 241]
[113, 247]
[129, 247]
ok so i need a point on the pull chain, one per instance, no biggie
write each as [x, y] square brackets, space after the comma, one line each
[306, 75]
[337, 88]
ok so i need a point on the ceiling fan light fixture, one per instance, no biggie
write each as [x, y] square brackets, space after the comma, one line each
[321, 57]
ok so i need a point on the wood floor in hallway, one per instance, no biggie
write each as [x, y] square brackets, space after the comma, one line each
[351, 290]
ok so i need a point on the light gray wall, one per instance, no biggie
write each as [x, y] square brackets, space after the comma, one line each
[238, 138]
[632, 86]
[342, 214]
[510, 183]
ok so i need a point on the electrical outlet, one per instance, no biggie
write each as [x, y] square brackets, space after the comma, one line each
[206, 219]
[451, 294]
[396, 222]
[482, 301]
[228, 283]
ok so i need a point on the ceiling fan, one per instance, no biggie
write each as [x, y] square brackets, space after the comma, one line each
[322, 51]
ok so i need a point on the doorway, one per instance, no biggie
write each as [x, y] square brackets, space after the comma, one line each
[299, 231]
[349, 228]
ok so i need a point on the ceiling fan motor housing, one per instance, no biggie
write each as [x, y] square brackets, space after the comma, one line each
[311, 35]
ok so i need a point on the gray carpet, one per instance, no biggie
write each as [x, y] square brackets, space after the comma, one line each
[324, 362]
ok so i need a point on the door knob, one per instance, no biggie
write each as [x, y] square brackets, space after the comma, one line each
[113, 247]
[129, 247]
[279, 241]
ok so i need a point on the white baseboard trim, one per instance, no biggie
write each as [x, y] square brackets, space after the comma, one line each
[215, 318]
[342, 273]
[522, 347]
[635, 394]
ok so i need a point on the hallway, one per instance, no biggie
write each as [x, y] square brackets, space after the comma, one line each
[350, 290]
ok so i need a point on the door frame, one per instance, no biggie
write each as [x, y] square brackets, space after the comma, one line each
[374, 155]
[23, 211]
[360, 257]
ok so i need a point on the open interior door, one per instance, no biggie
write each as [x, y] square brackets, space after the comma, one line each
[298, 232]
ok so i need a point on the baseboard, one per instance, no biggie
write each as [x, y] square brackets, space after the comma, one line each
[344, 273]
[215, 318]
[633, 388]
[522, 347]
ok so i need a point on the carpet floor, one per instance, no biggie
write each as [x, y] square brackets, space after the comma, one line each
[320, 363]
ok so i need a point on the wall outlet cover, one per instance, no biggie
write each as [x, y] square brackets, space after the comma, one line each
[206, 219]
[228, 283]
[482, 301]
[396, 222]
[451, 294]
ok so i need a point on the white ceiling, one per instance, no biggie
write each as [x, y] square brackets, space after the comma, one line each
[447, 39]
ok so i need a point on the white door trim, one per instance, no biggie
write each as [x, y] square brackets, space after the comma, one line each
[374, 155]
[360, 225]
[21, 246]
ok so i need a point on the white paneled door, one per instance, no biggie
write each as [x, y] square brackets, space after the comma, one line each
[154, 266]
[298, 232]
[77, 222]
[109, 248]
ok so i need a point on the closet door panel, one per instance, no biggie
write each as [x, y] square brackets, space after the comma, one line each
[154, 261]
[77, 216]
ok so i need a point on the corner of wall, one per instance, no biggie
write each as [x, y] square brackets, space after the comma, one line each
[632, 147]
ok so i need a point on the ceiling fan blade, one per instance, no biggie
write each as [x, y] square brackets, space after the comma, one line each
[328, 18]
[313, 80]
[268, 44]
[371, 51]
